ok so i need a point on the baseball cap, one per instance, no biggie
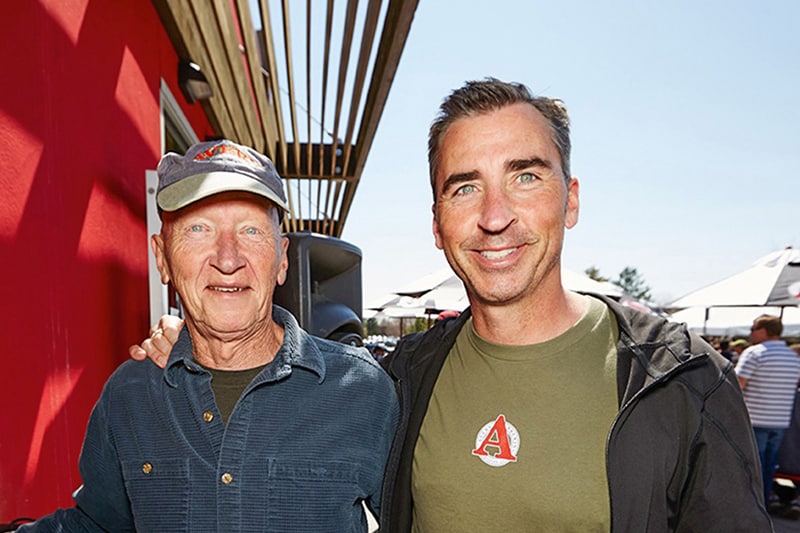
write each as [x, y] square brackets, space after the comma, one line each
[740, 342]
[213, 167]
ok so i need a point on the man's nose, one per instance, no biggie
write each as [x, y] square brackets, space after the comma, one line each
[497, 210]
[227, 259]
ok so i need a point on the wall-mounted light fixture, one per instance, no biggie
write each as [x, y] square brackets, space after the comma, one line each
[193, 82]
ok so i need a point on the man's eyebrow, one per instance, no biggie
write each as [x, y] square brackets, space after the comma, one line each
[531, 162]
[454, 179]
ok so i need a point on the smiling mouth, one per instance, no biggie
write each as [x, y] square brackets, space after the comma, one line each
[497, 254]
[226, 289]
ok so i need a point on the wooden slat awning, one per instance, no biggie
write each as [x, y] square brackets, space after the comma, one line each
[306, 86]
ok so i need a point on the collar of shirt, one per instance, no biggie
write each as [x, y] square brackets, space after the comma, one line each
[773, 342]
[298, 350]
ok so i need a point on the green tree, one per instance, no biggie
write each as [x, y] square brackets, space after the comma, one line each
[594, 273]
[420, 324]
[373, 327]
[630, 281]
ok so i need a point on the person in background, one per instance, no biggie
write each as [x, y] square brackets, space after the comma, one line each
[768, 373]
[253, 425]
[737, 347]
[538, 408]
[378, 351]
[723, 347]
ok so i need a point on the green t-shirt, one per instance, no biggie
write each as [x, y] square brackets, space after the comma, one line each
[514, 436]
[228, 386]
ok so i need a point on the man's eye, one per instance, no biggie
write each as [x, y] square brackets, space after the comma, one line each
[196, 228]
[526, 177]
[251, 231]
[465, 189]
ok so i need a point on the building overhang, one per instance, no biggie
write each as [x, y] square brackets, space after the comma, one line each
[307, 87]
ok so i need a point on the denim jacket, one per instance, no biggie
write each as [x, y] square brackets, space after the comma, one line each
[306, 443]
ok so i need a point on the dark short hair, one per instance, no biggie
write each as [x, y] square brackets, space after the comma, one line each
[772, 324]
[491, 94]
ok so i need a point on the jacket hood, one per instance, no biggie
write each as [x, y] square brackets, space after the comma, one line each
[652, 348]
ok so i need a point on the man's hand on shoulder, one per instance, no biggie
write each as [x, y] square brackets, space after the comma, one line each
[159, 344]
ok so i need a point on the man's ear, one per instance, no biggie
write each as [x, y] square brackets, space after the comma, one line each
[573, 204]
[283, 266]
[157, 245]
[436, 235]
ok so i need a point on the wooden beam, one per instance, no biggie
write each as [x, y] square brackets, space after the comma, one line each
[180, 24]
[265, 111]
[287, 45]
[324, 95]
[272, 69]
[232, 57]
[367, 38]
[399, 16]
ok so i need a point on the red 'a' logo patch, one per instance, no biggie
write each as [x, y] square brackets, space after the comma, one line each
[497, 443]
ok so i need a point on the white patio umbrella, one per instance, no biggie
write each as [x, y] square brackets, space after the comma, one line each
[582, 283]
[773, 280]
[402, 307]
[735, 321]
[419, 286]
[443, 291]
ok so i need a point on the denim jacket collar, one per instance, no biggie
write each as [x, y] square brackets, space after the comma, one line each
[297, 350]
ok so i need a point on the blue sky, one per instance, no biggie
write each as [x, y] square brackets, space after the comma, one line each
[685, 131]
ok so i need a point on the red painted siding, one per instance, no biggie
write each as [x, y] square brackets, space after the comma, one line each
[79, 125]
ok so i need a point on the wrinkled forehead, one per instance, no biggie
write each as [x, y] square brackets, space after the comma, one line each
[232, 201]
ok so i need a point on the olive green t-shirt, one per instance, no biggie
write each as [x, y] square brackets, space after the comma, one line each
[514, 436]
[228, 386]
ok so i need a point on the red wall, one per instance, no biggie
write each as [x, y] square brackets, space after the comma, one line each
[79, 125]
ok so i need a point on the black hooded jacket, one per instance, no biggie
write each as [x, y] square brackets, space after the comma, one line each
[680, 454]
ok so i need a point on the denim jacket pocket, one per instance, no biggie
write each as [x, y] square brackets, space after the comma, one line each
[313, 496]
[158, 490]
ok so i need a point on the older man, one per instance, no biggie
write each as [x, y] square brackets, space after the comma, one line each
[253, 424]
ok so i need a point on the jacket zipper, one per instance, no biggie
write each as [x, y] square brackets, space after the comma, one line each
[392, 465]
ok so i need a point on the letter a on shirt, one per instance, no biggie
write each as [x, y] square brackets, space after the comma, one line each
[500, 435]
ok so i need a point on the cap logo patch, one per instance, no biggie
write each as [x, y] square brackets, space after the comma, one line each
[226, 151]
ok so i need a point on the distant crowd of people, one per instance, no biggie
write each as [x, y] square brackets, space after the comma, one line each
[733, 348]
[768, 371]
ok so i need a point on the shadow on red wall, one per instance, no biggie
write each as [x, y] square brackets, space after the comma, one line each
[79, 125]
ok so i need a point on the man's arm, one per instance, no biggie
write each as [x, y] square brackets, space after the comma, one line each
[726, 464]
[745, 367]
[159, 344]
[742, 382]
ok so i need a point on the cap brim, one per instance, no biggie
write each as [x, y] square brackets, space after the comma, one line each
[194, 188]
